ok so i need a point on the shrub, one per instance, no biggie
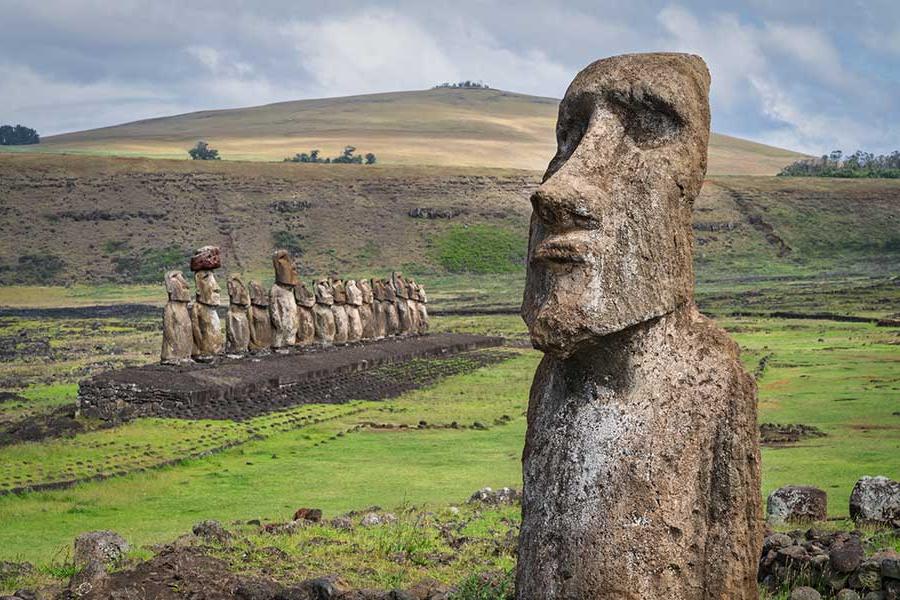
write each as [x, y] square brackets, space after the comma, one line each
[289, 241]
[18, 136]
[150, 266]
[202, 151]
[480, 249]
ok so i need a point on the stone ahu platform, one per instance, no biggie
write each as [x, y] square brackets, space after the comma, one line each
[246, 387]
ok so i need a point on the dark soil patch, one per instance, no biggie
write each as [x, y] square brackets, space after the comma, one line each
[60, 422]
[776, 434]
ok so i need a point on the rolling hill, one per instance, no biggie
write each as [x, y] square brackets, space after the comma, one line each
[445, 127]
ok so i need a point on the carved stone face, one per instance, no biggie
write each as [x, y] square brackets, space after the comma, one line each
[323, 293]
[422, 297]
[378, 289]
[177, 287]
[412, 292]
[237, 293]
[354, 295]
[390, 292]
[285, 272]
[610, 239]
[303, 296]
[258, 295]
[339, 291]
[208, 291]
[366, 288]
[399, 285]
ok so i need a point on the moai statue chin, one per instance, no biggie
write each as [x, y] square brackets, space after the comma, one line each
[402, 303]
[324, 317]
[354, 321]
[391, 312]
[207, 328]
[379, 309]
[339, 309]
[366, 309]
[282, 305]
[641, 461]
[260, 322]
[237, 330]
[306, 328]
[178, 337]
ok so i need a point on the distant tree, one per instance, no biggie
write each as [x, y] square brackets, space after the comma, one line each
[18, 136]
[370, 158]
[348, 157]
[836, 164]
[202, 151]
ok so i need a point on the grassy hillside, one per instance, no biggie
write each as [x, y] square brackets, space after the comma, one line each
[477, 128]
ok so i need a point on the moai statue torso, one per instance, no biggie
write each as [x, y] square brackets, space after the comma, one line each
[323, 314]
[260, 321]
[422, 299]
[306, 328]
[412, 301]
[399, 285]
[209, 339]
[354, 301]
[366, 310]
[339, 309]
[641, 461]
[178, 337]
[379, 309]
[282, 305]
[237, 331]
[392, 314]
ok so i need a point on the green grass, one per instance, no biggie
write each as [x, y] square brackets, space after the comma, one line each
[480, 249]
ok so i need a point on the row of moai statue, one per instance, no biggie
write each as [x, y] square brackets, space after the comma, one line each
[336, 311]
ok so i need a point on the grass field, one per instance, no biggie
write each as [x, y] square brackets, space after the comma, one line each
[476, 128]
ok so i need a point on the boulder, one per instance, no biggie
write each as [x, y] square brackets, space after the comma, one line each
[207, 258]
[847, 594]
[313, 515]
[211, 531]
[797, 503]
[487, 495]
[847, 556]
[876, 499]
[104, 547]
[805, 593]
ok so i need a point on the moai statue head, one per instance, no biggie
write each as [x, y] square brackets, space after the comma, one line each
[177, 287]
[354, 294]
[258, 295]
[324, 293]
[365, 287]
[390, 292]
[378, 289]
[610, 239]
[421, 290]
[339, 291]
[285, 271]
[303, 296]
[412, 291]
[399, 285]
[237, 292]
[208, 291]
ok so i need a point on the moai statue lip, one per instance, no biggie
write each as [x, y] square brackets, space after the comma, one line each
[258, 294]
[237, 292]
[324, 293]
[207, 258]
[285, 270]
[177, 287]
[608, 246]
[208, 291]
[303, 296]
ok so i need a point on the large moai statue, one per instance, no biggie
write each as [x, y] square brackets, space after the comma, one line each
[641, 461]
[237, 325]
[260, 321]
[178, 336]
[402, 295]
[392, 315]
[306, 327]
[339, 309]
[354, 302]
[324, 316]
[366, 309]
[379, 309]
[282, 305]
[412, 300]
[209, 339]
[421, 301]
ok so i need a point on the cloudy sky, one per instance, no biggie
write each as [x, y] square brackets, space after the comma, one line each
[809, 75]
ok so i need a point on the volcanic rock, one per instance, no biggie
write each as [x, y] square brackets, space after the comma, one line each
[876, 499]
[207, 258]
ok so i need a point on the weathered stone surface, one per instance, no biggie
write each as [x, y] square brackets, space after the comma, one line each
[402, 303]
[104, 547]
[367, 310]
[641, 461]
[208, 291]
[805, 593]
[797, 503]
[313, 515]
[285, 271]
[207, 258]
[876, 499]
[339, 310]
[391, 312]
[846, 557]
[306, 324]
[237, 324]
[178, 337]
[354, 320]
[846, 594]
[324, 317]
[208, 338]
[284, 315]
[421, 309]
[211, 530]
[258, 294]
